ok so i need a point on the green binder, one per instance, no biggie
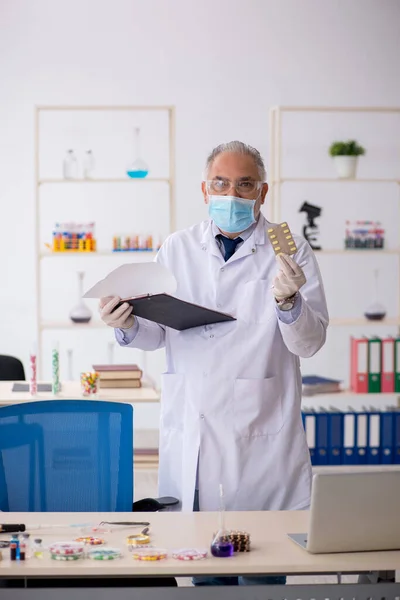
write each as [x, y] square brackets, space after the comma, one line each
[397, 365]
[374, 365]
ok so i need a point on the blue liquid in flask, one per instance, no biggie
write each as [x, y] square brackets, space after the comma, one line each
[137, 174]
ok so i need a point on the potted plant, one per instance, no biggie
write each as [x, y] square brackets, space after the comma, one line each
[345, 155]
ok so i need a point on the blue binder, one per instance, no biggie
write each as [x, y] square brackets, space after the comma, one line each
[349, 453]
[309, 423]
[396, 417]
[335, 439]
[361, 438]
[373, 437]
[350, 438]
[321, 439]
[387, 438]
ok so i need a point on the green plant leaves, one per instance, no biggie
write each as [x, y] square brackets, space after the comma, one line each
[349, 148]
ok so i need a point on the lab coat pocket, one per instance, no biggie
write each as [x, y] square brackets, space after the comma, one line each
[257, 407]
[172, 401]
[256, 304]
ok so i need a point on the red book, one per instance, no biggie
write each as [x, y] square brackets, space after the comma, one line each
[387, 379]
[359, 365]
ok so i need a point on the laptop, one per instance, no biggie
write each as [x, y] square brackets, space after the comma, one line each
[353, 512]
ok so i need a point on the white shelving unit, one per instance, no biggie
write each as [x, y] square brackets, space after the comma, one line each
[278, 179]
[40, 182]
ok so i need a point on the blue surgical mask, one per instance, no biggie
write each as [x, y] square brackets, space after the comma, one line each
[231, 214]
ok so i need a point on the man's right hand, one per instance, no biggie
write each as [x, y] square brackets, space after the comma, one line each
[120, 318]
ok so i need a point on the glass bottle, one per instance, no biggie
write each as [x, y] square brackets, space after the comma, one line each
[26, 543]
[80, 313]
[37, 548]
[88, 165]
[14, 547]
[138, 169]
[70, 166]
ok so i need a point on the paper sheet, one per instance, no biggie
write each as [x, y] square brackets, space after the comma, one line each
[134, 279]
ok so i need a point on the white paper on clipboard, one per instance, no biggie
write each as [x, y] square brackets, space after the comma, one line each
[134, 279]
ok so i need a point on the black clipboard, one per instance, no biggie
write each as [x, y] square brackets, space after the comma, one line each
[172, 312]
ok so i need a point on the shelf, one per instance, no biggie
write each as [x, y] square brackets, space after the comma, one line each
[390, 321]
[93, 324]
[336, 109]
[115, 180]
[349, 393]
[69, 108]
[357, 251]
[138, 254]
[333, 180]
[354, 468]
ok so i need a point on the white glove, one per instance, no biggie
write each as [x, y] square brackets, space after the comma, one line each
[290, 278]
[120, 318]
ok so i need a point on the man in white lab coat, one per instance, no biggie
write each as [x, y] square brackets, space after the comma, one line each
[231, 395]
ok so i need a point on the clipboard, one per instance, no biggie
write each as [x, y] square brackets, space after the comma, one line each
[175, 313]
[148, 288]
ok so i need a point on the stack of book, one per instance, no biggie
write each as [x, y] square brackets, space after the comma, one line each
[313, 384]
[119, 376]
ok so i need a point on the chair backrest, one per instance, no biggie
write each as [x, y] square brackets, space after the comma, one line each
[66, 455]
[11, 369]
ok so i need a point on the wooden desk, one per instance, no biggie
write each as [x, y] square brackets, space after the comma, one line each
[71, 391]
[272, 551]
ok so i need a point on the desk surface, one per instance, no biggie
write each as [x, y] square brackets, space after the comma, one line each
[71, 391]
[272, 551]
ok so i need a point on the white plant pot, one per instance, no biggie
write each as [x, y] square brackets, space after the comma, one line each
[346, 166]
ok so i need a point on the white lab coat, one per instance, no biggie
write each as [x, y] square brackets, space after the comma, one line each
[231, 395]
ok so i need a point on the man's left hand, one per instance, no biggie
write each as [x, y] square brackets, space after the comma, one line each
[290, 278]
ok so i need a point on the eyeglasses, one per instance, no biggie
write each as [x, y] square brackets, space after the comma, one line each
[245, 188]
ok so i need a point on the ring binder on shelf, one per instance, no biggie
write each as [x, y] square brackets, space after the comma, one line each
[370, 437]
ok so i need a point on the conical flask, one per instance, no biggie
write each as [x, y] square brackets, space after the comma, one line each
[376, 311]
[138, 169]
[221, 546]
[80, 313]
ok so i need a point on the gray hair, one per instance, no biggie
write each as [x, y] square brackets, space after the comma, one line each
[237, 147]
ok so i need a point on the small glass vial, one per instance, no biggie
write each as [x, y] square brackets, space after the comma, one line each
[38, 548]
[22, 549]
[14, 548]
[88, 165]
[26, 546]
[70, 166]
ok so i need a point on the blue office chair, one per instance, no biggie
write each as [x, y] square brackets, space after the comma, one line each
[66, 455]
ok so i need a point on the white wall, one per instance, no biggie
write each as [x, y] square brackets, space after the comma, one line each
[222, 63]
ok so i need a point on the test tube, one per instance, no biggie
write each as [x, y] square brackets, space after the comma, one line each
[33, 370]
[70, 369]
[55, 364]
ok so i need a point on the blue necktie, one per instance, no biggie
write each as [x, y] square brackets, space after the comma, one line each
[229, 245]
